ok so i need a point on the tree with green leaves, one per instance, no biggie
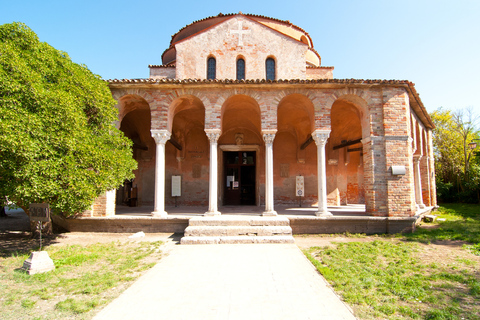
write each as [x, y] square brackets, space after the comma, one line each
[457, 174]
[58, 141]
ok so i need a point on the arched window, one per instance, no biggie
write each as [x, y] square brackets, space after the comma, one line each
[240, 69]
[270, 69]
[211, 68]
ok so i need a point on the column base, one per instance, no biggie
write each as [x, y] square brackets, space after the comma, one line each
[212, 213]
[269, 213]
[421, 206]
[323, 214]
[159, 214]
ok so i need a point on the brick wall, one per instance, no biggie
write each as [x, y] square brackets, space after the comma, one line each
[103, 206]
[259, 43]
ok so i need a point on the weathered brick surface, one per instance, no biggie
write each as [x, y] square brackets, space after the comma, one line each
[103, 206]
[257, 45]
[319, 73]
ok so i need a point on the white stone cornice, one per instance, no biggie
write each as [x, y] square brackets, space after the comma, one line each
[160, 136]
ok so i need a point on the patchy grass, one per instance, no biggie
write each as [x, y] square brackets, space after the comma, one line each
[423, 275]
[85, 277]
[462, 222]
[390, 279]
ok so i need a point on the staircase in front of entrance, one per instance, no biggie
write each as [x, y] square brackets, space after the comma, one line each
[232, 229]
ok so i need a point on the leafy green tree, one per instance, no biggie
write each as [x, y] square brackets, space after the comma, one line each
[457, 174]
[58, 141]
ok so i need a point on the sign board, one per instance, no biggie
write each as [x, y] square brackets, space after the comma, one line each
[39, 212]
[176, 186]
[300, 186]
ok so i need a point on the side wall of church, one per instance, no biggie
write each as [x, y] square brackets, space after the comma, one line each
[398, 152]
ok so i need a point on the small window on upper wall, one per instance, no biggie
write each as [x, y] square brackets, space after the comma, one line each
[240, 69]
[270, 69]
[211, 68]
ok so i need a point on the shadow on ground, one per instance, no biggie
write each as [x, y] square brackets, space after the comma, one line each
[15, 235]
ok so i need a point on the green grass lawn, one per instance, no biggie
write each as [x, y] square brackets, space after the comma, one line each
[85, 277]
[410, 276]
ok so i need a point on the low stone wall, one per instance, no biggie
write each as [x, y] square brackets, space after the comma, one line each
[117, 224]
[367, 225]
[299, 225]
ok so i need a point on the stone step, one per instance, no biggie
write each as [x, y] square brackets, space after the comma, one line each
[244, 230]
[239, 221]
[238, 229]
[237, 240]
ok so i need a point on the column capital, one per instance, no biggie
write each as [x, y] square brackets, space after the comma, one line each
[417, 157]
[213, 134]
[269, 136]
[321, 137]
[160, 136]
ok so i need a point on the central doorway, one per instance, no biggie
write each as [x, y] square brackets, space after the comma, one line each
[239, 177]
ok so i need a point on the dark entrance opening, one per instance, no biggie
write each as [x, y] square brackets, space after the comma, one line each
[239, 177]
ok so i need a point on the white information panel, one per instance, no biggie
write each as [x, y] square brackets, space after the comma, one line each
[176, 186]
[300, 186]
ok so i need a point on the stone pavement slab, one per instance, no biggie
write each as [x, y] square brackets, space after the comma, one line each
[241, 281]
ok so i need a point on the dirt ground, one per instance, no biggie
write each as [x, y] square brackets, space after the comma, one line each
[16, 237]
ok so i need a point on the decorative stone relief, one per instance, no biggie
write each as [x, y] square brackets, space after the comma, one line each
[239, 139]
[240, 32]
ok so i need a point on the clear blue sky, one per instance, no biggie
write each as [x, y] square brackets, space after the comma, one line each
[433, 43]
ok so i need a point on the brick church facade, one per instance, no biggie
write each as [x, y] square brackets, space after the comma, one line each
[241, 111]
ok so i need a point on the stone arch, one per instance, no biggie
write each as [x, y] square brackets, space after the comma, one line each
[296, 110]
[361, 107]
[184, 103]
[129, 103]
[240, 112]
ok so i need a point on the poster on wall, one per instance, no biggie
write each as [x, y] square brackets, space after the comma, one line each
[176, 186]
[300, 186]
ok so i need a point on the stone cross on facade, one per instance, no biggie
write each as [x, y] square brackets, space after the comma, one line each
[240, 33]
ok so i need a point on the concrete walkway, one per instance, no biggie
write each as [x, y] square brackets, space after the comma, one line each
[261, 281]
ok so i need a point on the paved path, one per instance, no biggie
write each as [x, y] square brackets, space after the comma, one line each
[260, 281]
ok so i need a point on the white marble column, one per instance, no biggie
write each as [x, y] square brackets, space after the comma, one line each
[418, 181]
[161, 137]
[268, 137]
[213, 135]
[321, 137]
